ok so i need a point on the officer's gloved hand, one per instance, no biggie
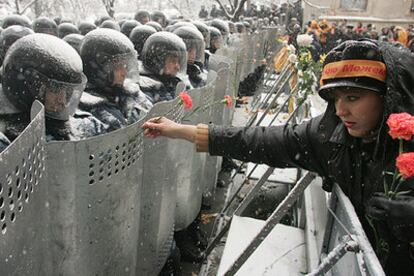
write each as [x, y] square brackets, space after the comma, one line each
[397, 212]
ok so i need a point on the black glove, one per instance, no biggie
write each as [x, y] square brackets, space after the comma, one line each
[397, 212]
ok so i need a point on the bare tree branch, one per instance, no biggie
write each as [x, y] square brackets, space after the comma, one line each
[236, 9]
[231, 4]
[27, 6]
[176, 7]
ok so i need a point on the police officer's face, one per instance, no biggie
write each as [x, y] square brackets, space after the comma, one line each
[171, 66]
[191, 56]
[144, 20]
[120, 73]
[360, 110]
[55, 101]
[216, 44]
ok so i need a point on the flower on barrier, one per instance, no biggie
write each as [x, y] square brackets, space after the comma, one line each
[228, 100]
[304, 40]
[186, 100]
[293, 58]
[308, 70]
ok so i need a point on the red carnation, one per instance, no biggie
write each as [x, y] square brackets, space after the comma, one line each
[405, 164]
[401, 126]
[228, 100]
[186, 100]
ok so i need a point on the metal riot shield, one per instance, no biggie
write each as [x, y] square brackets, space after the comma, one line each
[209, 169]
[24, 202]
[158, 195]
[95, 202]
[189, 163]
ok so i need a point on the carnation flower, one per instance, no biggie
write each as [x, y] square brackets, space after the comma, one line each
[186, 100]
[304, 40]
[228, 100]
[293, 58]
[405, 164]
[291, 49]
[401, 126]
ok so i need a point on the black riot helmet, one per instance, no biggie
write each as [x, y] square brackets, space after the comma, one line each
[180, 24]
[142, 17]
[110, 24]
[222, 26]
[194, 42]
[45, 25]
[203, 28]
[216, 39]
[128, 26]
[155, 25]
[105, 52]
[139, 35]
[67, 28]
[121, 22]
[162, 48]
[240, 27]
[16, 19]
[101, 19]
[74, 40]
[12, 34]
[43, 67]
[159, 17]
[85, 27]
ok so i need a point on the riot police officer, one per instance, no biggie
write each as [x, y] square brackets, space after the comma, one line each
[53, 75]
[110, 63]
[45, 25]
[194, 42]
[74, 40]
[128, 26]
[164, 56]
[67, 28]
[139, 36]
[15, 19]
[10, 35]
[85, 27]
[142, 17]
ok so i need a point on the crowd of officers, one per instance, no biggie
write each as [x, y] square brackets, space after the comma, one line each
[94, 78]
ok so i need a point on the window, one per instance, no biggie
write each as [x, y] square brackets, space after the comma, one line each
[354, 5]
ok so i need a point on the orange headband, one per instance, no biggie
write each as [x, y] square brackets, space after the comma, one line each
[354, 68]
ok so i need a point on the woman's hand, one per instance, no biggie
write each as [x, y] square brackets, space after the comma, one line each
[162, 126]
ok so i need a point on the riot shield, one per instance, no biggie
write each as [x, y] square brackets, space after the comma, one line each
[95, 193]
[158, 195]
[24, 201]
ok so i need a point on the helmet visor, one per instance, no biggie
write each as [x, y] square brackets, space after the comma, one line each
[195, 50]
[122, 67]
[60, 98]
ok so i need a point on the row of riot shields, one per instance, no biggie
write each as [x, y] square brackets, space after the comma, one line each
[108, 205]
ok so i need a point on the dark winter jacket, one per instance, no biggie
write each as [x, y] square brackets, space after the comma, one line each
[197, 77]
[11, 125]
[4, 142]
[80, 126]
[158, 88]
[119, 107]
[323, 145]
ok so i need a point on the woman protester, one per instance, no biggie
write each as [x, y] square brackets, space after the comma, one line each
[363, 82]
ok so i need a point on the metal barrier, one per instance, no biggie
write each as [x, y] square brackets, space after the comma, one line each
[24, 202]
[343, 223]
